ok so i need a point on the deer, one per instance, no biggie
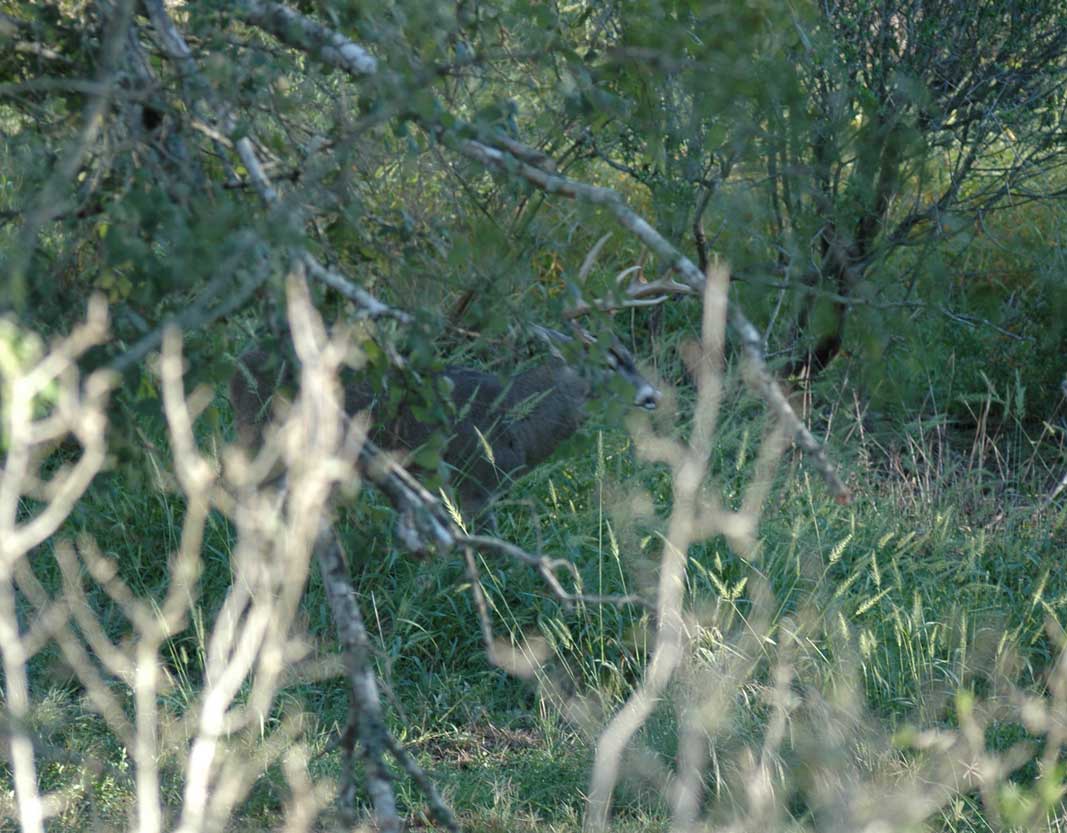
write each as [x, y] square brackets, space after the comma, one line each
[496, 429]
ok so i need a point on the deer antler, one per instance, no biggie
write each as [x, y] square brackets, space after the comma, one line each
[638, 292]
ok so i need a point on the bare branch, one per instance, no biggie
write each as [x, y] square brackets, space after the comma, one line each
[366, 707]
[278, 525]
[22, 382]
[300, 32]
[547, 568]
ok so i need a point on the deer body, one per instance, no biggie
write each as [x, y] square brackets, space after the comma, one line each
[497, 430]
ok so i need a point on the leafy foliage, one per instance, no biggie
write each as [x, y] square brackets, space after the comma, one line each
[884, 179]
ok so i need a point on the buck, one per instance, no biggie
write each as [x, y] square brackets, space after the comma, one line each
[495, 429]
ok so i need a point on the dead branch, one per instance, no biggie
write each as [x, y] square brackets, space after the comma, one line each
[28, 437]
[365, 707]
[295, 29]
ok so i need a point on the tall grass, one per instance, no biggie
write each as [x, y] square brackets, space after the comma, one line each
[941, 583]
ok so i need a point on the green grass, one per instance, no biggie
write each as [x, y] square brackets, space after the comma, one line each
[939, 578]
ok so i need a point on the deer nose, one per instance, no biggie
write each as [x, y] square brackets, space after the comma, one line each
[647, 397]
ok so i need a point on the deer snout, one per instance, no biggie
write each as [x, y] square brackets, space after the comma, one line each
[647, 397]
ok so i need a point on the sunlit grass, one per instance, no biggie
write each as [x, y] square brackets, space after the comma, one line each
[940, 578]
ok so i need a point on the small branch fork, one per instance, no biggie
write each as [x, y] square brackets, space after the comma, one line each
[27, 437]
[547, 568]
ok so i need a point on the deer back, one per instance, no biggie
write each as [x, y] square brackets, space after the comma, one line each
[495, 429]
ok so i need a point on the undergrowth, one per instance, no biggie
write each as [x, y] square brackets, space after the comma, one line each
[943, 576]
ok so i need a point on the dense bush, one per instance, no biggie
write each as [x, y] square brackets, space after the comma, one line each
[431, 180]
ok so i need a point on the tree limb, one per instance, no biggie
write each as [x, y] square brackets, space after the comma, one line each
[335, 50]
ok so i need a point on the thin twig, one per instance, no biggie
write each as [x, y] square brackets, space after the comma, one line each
[439, 810]
[547, 568]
